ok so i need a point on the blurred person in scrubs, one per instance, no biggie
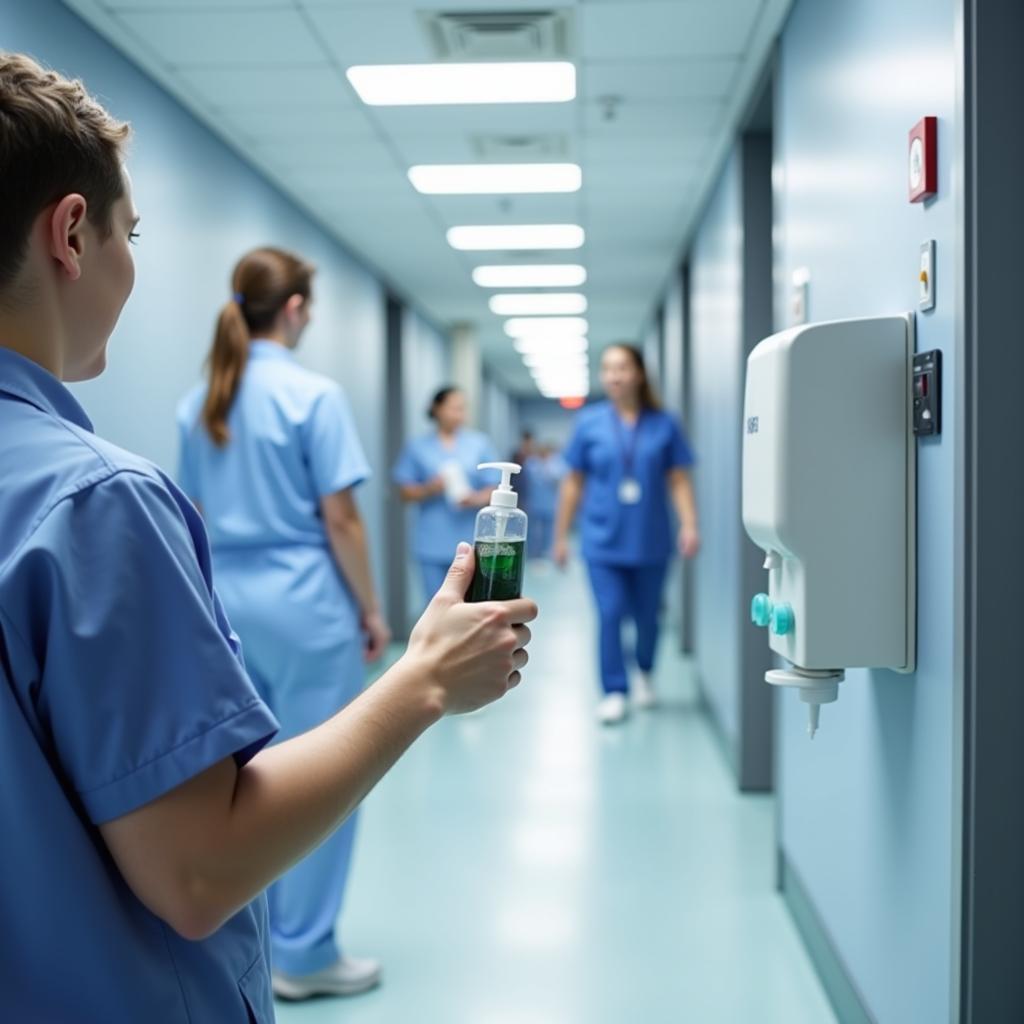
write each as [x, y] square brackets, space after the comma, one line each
[144, 812]
[543, 471]
[270, 456]
[437, 472]
[628, 462]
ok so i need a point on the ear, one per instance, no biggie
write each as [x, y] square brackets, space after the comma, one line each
[66, 238]
[295, 304]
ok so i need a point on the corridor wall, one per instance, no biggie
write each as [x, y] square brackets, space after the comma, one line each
[866, 809]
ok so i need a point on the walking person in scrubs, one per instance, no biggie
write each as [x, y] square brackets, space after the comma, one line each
[543, 471]
[145, 812]
[628, 460]
[437, 473]
[269, 454]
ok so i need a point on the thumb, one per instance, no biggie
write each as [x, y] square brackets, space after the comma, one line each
[460, 572]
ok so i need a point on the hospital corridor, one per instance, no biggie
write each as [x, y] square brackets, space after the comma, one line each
[520, 859]
[510, 512]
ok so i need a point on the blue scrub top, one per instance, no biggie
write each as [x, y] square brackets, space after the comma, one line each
[439, 526]
[120, 679]
[543, 478]
[601, 445]
[293, 441]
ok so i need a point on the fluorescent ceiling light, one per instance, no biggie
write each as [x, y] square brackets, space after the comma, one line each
[559, 360]
[392, 85]
[545, 326]
[556, 275]
[495, 179]
[516, 236]
[529, 303]
[566, 391]
[558, 344]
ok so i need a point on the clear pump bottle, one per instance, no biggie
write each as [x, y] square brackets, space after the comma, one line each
[499, 542]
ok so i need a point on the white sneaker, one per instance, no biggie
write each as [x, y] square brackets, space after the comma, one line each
[612, 709]
[345, 977]
[643, 692]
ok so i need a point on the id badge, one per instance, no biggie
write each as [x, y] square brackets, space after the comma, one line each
[629, 491]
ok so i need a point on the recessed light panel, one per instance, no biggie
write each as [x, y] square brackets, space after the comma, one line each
[557, 275]
[495, 179]
[394, 85]
[516, 236]
[538, 303]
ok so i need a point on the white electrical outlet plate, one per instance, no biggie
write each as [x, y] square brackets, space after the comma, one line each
[926, 276]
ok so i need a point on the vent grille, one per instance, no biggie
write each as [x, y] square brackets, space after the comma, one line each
[498, 35]
[510, 149]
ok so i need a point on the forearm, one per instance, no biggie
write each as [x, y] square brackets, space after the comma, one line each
[413, 494]
[568, 503]
[290, 797]
[683, 500]
[350, 548]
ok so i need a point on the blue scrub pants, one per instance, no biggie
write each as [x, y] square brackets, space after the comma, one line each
[622, 591]
[304, 653]
[433, 575]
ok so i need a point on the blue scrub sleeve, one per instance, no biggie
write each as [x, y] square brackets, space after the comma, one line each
[331, 445]
[142, 686]
[680, 455]
[408, 469]
[486, 477]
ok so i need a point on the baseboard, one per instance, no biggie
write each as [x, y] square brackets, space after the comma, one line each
[846, 1000]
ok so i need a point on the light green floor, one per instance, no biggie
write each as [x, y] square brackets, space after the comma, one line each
[524, 866]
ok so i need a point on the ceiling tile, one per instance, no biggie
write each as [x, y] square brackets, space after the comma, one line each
[698, 78]
[282, 89]
[222, 38]
[708, 28]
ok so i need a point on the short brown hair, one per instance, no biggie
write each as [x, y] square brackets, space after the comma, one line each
[55, 139]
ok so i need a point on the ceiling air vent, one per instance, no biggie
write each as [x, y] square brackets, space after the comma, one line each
[498, 35]
[511, 149]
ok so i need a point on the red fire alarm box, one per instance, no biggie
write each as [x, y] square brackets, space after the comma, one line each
[922, 160]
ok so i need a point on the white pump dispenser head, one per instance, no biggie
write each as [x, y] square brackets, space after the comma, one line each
[503, 496]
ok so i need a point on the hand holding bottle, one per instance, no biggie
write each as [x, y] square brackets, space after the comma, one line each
[475, 653]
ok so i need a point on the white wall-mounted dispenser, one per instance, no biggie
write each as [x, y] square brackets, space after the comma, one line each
[829, 495]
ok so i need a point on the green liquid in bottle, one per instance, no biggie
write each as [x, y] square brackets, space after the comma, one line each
[499, 571]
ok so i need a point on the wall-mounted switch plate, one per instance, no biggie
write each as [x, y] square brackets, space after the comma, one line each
[927, 394]
[926, 276]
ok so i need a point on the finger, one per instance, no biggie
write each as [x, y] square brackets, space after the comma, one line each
[514, 680]
[460, 572]
[519, 611]
[520, 658]
[523, 635]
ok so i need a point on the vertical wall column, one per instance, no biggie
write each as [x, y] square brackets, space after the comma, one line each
[394, 426]
[468, 369]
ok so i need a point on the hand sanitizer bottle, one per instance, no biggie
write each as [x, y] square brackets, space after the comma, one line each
[499, 542]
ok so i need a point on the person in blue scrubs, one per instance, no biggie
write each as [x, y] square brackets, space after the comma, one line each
[628, 460]
[438, 473]
[543, 471]
[270, 456]
[144, 811]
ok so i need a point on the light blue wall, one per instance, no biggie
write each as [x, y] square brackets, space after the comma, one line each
[202, 207]
[716, 312]
[500, 417]
[866, 808]
[426, 366]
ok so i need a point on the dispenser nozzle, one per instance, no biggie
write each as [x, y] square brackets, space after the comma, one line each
[813, 717]
[503, 495]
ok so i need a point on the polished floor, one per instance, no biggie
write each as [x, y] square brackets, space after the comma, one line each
[524, 866]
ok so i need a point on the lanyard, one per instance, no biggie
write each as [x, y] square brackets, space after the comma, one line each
[627, 440]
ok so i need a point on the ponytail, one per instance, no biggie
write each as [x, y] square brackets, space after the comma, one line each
[228, 356]
[262, 283]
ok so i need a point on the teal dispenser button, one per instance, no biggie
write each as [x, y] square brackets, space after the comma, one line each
[782, 619]
[761, 610]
